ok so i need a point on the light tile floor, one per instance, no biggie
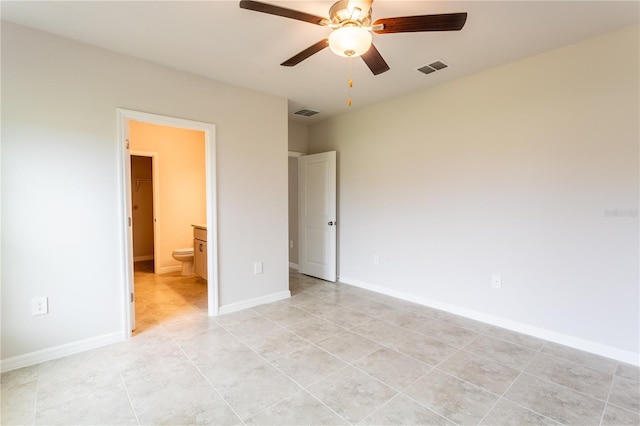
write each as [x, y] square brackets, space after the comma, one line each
[332, 354]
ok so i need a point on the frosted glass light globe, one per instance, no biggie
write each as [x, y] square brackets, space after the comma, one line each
[350, 41]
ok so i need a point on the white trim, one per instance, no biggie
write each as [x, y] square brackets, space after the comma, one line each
[245, 304]
[168, 269]
[143, 258]
[209, 130]
[126, 237]
[295, 154]
[552, 336]
[56, 352]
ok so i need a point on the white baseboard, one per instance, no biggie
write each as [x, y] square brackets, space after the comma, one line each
[143, 258]
[294, 266]
[552, 336]
[56, 352]
[245, 304]
[167, 269]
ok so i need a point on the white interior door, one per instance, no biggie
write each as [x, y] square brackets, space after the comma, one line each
[317, 215]
[129, 219]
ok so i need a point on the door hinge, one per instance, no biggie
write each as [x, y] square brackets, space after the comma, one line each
[131, 297]
[129, 220]
[127, 143]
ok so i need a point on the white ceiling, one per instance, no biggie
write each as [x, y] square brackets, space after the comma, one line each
[218, 40]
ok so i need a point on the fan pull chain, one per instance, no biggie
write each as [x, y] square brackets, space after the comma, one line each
[350, 83]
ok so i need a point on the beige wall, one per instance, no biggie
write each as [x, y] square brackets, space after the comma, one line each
[515, 171]
[182, 197]
[62, 187]
[298, 137]
[142, 207]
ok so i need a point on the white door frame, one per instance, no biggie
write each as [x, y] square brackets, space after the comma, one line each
[124, 163]
[155, 177]
[296, 155]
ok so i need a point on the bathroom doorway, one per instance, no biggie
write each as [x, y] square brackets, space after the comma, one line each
[165, 240]
[173, 291]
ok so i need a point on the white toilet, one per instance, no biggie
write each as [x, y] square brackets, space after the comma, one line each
[185, 256]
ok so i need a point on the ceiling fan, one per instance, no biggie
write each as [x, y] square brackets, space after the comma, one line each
[352, 29]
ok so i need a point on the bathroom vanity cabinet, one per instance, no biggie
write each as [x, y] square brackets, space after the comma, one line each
[200, 251]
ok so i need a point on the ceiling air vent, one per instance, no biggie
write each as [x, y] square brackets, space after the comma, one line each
[426, 69]
[438, 65]
[305, 112]
[433, 67]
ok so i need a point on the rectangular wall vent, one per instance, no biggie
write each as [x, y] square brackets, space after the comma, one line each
[433, 67]
[305, 112]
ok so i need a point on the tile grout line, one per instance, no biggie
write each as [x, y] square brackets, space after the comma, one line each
[302, 388]
[538, 351]
[420, 403]
[126, 389]
[387, 345]
[565, 387]
[401, 394]
[561, 386]
[207, 379]
[35, 402]
[606, 403]
[605, 400]
[461, 349]
[380, 407]
[502, 396]
[409, 331]
[435, 367]
[533, 411]
[351, 363]
[583, 365]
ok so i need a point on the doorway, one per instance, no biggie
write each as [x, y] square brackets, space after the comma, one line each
[317, 219]
[144, 192]
[125, 118]
[312, 214]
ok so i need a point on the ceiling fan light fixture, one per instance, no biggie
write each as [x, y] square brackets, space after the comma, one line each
[358, 11]
[350, 41]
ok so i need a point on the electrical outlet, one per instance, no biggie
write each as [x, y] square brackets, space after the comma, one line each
[257, 268]
[496, 281]
[39, 306]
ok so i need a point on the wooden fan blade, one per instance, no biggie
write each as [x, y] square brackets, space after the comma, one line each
[410, 24]
[374, 61]
[282, 11]
[311, 50]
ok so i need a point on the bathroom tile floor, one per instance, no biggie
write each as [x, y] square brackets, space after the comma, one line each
[331, 354]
